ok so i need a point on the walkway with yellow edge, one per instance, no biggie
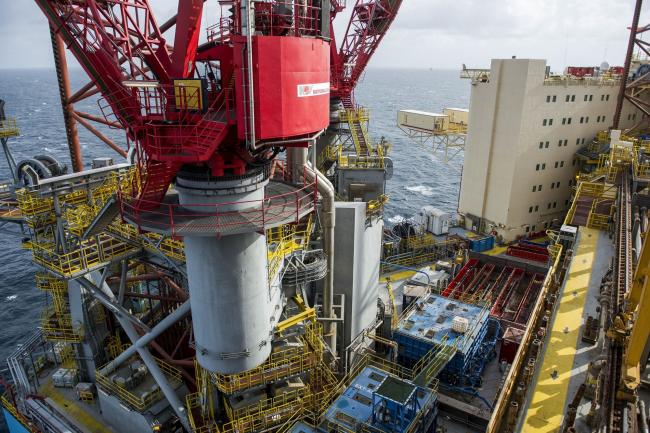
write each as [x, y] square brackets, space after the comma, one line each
[566, 357]
[75, 410]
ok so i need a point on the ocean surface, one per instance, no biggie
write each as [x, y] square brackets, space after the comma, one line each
[32, 96]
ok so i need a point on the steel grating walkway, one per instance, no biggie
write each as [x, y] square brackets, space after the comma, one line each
[284, 204]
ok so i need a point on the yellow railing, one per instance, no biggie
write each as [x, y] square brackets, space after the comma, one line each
[135, 402]
[411, 260]
[283, 363]
[17, 415]
[285, 240]
[258, 409]
[88, 254]
[361, 114]
[360, 161]
[31, 204]
[9, 128]
[57, 326]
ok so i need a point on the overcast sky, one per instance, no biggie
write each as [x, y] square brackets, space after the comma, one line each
[426, 33]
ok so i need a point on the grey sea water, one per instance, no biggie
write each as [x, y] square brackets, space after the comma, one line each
[32, 97]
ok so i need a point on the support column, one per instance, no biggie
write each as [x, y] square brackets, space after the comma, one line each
[230, 295]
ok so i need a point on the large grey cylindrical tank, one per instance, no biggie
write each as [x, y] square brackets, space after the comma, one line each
[227, 277]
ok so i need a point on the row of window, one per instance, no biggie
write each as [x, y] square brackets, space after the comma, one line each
[554, 185]
[572, 98]
[550, 205]
[560, 143]
[631, 116]
[538, 188]
[542, 166]
[567, 120]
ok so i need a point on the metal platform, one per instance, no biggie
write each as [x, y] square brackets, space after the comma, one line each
[566, 358]
[284, 204]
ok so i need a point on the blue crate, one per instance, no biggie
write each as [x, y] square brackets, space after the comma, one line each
[357, 408]
[425, 327]
[479, 245]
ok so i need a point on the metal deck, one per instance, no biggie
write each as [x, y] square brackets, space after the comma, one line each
[566, 357]
[284, 204]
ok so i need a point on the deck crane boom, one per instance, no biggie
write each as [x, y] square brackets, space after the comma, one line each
[368, 24]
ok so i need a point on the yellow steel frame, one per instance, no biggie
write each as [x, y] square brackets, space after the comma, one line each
[306, 402]
[130, 399]
[308, 314]
[90, 254]
[600, 192]
[57, 326]
[30, 204]
[9, 128]
[638, 303]
[56, 323]
[285, 240]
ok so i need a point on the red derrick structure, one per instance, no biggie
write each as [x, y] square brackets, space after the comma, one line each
[368, 24]
[260, 83]
[201, 106]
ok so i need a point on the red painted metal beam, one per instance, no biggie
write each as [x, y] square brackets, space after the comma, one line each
[628, 62]
[186, 40]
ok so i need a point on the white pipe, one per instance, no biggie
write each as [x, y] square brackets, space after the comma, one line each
[326, 190]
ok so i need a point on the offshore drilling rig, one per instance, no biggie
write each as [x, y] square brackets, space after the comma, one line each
[180, 279]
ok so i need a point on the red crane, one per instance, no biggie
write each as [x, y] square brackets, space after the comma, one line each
[368, 24]
[262, 80]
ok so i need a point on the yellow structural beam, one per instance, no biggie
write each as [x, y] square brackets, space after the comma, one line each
[308, 314]
[550, 395]
[639, 300]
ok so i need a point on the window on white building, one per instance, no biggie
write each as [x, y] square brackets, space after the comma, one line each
[544, 122]
[548, 98]
[591, 98]
[573, 98]
[554, 98]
